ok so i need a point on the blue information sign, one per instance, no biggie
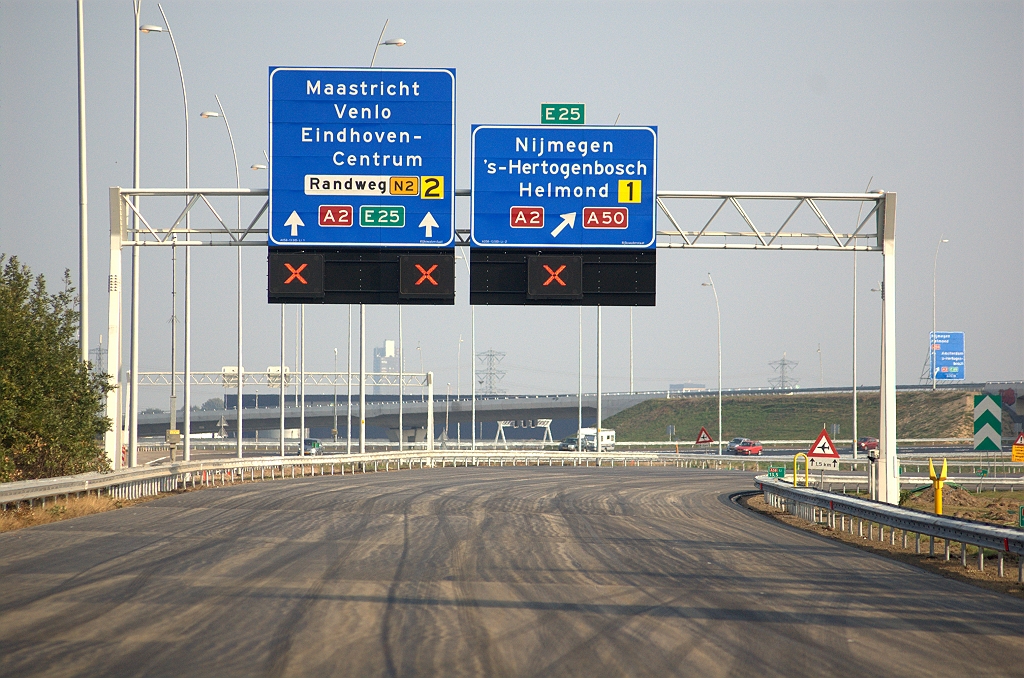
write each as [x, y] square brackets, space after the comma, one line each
[948, 355]
[547, 187]
[362, 157]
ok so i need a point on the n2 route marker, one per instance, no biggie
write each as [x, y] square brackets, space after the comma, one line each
[822, 454]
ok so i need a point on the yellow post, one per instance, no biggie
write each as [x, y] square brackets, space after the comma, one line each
[807, 469]
[937, 482]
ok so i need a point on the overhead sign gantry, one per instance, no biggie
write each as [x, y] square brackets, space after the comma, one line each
[361, 185]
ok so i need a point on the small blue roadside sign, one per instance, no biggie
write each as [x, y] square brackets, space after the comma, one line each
[362, 157]
[948, 356]
[552, 187]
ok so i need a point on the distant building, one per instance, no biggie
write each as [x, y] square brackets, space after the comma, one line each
[386, 359]
[688, 386]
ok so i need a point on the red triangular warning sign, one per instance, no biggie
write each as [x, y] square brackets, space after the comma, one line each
[1020, 439]
[703, 438]
[823, 447]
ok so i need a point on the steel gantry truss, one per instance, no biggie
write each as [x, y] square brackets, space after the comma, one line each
[875, 232]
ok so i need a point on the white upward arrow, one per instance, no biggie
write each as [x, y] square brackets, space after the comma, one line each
[429, 224]
[294, 221]
[567, 220]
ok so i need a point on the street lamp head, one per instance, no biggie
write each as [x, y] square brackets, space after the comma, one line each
[209, 114]
[258, 167]
[706, 285]
[394, 42]
[944, 240]
[150, 28]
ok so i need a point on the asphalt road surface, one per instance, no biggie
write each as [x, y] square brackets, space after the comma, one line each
[500, 571]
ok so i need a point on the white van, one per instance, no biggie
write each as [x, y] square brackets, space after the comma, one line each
[589, 436]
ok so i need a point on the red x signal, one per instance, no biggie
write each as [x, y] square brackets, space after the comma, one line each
[554, 275]
[295, 273]
[426, 274]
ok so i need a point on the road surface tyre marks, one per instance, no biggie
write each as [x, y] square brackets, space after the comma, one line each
[394, 616]
[609, 631]
[74, 616]
[403, 626]
[292, 624]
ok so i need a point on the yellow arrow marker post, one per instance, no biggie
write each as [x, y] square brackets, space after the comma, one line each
[937, 482]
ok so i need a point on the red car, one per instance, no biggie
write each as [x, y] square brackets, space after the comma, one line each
[866, 444]
[748, 447]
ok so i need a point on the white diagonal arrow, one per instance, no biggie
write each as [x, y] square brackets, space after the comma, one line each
[568, 219]
[429, 224]
[294, 221]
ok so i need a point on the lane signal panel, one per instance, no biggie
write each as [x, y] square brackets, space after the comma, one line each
[519, 276]
[361, 276]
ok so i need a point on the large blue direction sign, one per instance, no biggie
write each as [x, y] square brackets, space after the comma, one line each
[362, 157]
[948, 355]
[547, 187]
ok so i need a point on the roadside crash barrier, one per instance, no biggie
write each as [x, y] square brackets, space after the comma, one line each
[865, 518]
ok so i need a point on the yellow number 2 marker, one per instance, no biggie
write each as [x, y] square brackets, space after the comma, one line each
[432, 188]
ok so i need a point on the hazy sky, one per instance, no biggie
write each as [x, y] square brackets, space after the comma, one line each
[924, 97]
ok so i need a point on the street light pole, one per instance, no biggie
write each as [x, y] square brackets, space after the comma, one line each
[931, 342]
[631, 350]
[718, 309]
[334, 431]
[281, 402]
[401, 382]
[238, 252]
[83, 200]
[188, 254]
[362, 379]
[348, 386]
[458, 395]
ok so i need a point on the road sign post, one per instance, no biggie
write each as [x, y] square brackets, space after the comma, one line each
[1017, 451]
[585, 196]
[562, 114]
[948, 356]
[823, 454]
[988, 423]
[362, 172]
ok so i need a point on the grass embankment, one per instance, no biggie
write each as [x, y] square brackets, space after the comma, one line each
[919, 414]
[63, 509]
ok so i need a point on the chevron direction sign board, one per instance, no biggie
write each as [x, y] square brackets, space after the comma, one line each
[988, 423]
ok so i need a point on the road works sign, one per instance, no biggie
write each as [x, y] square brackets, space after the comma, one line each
[553, 187]
[1018, 448]
[822, 454]
[362, 157]
[988, 423]
[703, 438]
[948, 355]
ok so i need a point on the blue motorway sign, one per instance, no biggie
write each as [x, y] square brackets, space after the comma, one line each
[362, 157]
[948, 355]
[548, 187]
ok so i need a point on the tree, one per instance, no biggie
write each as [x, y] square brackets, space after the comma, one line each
[51, 404]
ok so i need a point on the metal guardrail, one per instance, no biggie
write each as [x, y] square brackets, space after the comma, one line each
[148, 480]
[143, 481]
[814, 505]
